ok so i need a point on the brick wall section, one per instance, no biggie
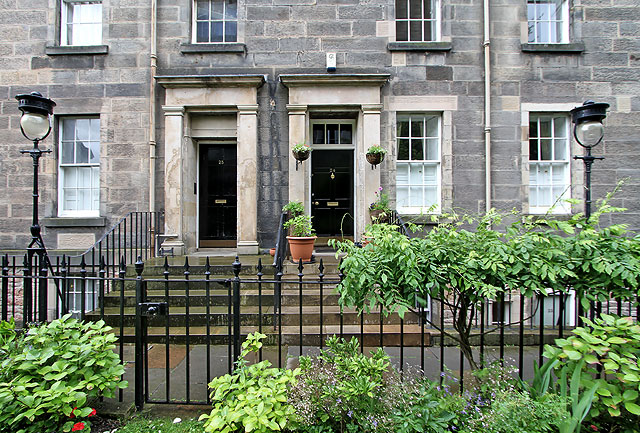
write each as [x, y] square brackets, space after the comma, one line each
[113, 86]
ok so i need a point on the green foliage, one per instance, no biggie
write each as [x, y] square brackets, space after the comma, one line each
[607, 351]
[342, 389]
[377, 150]
[48, 375]
[253, 398]
[464, 260]
[419, 409]
[301, 147]
[300, 226]
[295, 208]
[382, 201]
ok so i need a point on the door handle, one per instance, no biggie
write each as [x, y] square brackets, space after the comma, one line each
[316, 203]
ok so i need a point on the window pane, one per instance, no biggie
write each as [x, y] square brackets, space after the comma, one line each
[560, 149]
[94, 152]
[402, 174]
[533, 196]
[545, 127]
[67, 152]
[558, 174]
[216, 31]
[82, 152]
[545, 149]
[417, 149]
[402, 196]
[68, 129]
[202, 10]
[415, 196]
[432, 149]
[318, 134]
[403, 128]
[346, 134]
[417, 127]
[95, 178]
[415, 174]
[432, 126]
[202, 32]
[231, 31]
[218, 10]
[402, 31]
[69, 176]
[82, 129]
[415, 9]
[94, 132]
[430, 196]
[533, 150]
[332, 134]
[231, 11]
[403, 149]
[415, 30]
[430, 174]
[401, 9]
[429, 31]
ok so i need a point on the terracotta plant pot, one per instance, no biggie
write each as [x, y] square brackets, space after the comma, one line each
[272, 252]
[301, 248]
[375, 158]
[301, 155]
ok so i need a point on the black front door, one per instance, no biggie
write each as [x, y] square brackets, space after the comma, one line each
[217, 195]
[332, 192]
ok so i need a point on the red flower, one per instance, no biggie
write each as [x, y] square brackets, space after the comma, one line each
[78, 426]
[593, 427]
[93, 412]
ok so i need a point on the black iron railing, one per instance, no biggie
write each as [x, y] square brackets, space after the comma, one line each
[211, 309]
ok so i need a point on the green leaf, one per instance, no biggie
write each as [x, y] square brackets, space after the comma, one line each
[632, 407]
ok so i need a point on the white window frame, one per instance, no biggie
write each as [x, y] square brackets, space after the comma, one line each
[437, 163]
[559, 206]
[62, 211]
[436, 21]
[533, 21]
[64, 9]
[224, 20]
[74, 296]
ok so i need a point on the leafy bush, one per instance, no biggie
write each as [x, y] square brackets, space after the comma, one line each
[295, 208]
[48, 375]
[343, 390]
[607, 350]
[300, 226]
[253, 398]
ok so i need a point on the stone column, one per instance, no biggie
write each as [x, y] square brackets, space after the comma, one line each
[297, 134]
[368, 180]
[247, 214]
[174, 118]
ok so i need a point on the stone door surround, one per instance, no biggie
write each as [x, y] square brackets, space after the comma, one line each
[186, 93]
[340, 91]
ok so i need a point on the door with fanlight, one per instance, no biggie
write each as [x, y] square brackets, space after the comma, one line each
[332, 179]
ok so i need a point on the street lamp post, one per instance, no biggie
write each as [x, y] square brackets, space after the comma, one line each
[35, 124]
[588, 132]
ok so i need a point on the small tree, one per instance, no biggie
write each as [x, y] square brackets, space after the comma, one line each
[460, 267]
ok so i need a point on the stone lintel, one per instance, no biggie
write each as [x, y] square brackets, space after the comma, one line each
[173, 110]
[175, 81]
[303, 80]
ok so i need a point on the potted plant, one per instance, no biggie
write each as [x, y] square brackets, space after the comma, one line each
[375, 154]
[301, 151]
[301, 238]
[379, 210]
[293, 208]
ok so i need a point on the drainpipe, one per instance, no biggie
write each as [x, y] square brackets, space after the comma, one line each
[152, 107]
[487, 105]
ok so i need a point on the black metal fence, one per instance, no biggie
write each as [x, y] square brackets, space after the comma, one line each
[185, 321]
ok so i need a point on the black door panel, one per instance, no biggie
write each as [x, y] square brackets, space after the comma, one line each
[332, 192]
[218, 195]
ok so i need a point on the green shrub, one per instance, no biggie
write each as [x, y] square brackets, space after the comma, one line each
[48, 375]
[608, 350]
[253, 398]
[295, 208]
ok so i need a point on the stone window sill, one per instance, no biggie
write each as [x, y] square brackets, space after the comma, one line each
[419, 46]
[74, 50]
[235, 47]
[575, 47]
[74, 222]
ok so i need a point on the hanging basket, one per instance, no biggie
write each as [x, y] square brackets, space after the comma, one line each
[301, 155]
[375, 158]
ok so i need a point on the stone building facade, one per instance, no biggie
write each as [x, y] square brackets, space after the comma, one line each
[194, 106]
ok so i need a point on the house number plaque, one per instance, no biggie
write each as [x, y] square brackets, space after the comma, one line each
[332, 203]
[221, 201]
